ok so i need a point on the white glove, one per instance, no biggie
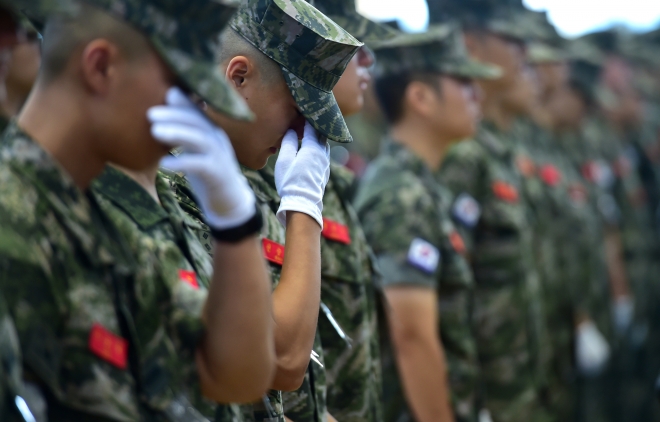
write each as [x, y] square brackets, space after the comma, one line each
[591, 349]
[301, 174]
[623, 310]
[207, 159]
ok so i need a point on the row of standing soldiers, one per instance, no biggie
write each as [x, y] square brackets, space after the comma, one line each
[497, 260]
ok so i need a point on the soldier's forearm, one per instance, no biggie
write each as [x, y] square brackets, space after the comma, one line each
[296, 300]
[238, 348]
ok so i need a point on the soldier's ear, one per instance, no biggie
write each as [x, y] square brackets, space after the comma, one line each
[98, 65]
[239, 71]
[417, 98]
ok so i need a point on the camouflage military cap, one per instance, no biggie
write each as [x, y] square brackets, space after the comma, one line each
[441, 49]
[582, 49]
[312, 50]
[184, 34]
[540, 53]
[651, 37]
[345, 14]
[503, 17]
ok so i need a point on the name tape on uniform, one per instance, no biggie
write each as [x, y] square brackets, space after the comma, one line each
[505, 191]
[550, 175]
[333, 230]
[466, 210]
[457, 242]
[108, 346]
[423, 255]
[525, 165]
[189, 277]
[273, 251]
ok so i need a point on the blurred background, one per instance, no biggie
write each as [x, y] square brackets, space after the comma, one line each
[571, 17]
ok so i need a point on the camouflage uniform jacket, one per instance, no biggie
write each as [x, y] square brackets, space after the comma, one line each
[307, 403]
[351, 350]
[10, 365]
[583, 256]
[4, 122]
[66, 278]
[507, 307]
[401, 206]
[175, 256]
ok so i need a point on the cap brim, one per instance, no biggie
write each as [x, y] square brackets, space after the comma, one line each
[204, 79]
[472, 69]
[319, 107]
[364, 29]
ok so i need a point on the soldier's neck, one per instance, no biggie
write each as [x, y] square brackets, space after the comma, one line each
[12, 101]
[145, 178]
[425, 142]
[55, 121]
[498, 115]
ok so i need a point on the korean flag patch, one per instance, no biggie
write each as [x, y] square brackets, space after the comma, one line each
[466, 210]
[423, 255]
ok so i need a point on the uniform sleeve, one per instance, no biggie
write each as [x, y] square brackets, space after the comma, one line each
[399, 225]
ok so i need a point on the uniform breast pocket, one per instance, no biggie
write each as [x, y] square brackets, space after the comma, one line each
[85, 365]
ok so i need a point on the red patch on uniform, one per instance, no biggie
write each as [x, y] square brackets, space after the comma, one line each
[505, 191]
[333, 230]
[577, 193]
[189, 277]
[590, 171]
[457, 242]
[273, 251]
[108, 346]
[525, 165]
[550, 175]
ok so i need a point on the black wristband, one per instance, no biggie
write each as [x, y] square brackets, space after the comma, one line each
[236, 234]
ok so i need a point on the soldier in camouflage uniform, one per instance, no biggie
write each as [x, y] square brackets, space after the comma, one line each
[12, 405]
[349, 331]
[507, 315]
[568, 242]
[407, 218]
[106, 338]
[584, 257]
[298, 53]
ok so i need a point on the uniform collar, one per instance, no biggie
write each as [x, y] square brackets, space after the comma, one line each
[493, 139]
[405, 156]
[131, 198]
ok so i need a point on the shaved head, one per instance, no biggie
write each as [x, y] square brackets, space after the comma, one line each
[65, 36]
[232, 44]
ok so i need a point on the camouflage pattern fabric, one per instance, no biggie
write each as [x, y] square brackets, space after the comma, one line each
[348, 290]
[312, 50]
[184, 34]
[345, 14]
[186, 199]
[10, 364]
[4, 122]
[307, 403]
[566, 243]
[507, 306]
[166, 230]
[400, 202]
[60, 259]
[441, 49]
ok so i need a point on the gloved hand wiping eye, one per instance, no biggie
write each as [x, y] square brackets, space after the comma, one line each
[301, 174]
